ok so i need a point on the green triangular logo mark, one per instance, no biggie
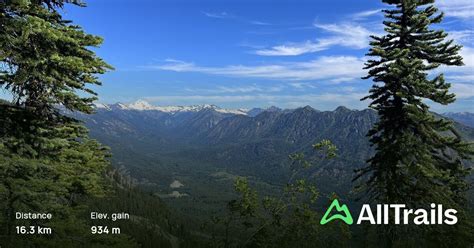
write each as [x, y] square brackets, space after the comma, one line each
[347, 217]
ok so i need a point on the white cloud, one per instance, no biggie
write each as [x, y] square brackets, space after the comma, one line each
[218, 15]
[461, 74]
[341, 80]
[461, 36]
[461, 77]
[463, 91]
[349, 35]
[463, 9]
[348, 89]
[302, 86]
[468, 55]
[365, 14]
[245, 89]
[323, 68]
[293, 49]
[356, 35]
[225, 15]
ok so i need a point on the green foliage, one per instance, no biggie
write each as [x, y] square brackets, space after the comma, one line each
[289, 220]
[151, 224]
[419, 158]
[46, 60]
[47, 161]
[330, 150]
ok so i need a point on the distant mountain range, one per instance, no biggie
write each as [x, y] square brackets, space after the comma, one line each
[208, 126]
[142, 105]
[204, 146]
[251, 136]
[465, 118]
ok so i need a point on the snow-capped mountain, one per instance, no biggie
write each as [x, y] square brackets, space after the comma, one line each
[142, 105]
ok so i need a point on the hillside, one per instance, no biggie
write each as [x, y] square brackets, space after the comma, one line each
[204, 148]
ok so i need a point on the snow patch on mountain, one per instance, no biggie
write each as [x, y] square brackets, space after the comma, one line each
[102, 106]
[142, 105]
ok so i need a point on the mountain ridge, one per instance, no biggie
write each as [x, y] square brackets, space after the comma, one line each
[143, 105]
[204, 149]
[257, 136]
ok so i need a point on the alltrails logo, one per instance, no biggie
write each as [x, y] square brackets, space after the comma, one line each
[347, 217]
[398, 212]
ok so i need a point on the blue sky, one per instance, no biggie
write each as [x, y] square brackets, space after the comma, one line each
[251, 53]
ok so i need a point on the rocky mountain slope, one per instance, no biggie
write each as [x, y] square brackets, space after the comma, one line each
[205, 147]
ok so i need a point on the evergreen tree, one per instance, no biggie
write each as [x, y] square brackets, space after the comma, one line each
[419, 157]
[47, 161]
